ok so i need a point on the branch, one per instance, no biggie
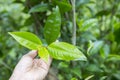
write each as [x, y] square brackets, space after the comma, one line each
[35, 17]
[5, 65]
[74, 23]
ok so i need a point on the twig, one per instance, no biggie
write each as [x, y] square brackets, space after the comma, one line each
[5, 65]
[74, 23]
[35, 17]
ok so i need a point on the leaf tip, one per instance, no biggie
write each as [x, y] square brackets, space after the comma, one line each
[83, 59]
[9, 33]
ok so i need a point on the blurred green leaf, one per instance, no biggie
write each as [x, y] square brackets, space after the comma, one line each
[63, 65]
[52, 26]
[103, 78]
[80, 3]
[12, 53]
[90, 45]
[96, 47]
[63, 5]
[74, 78]
[103, 12]
[89, 77]
[117, 32]
[105, 51]
[26, 39]
[65, 51]
[77, 72]
[117, 75]
[39, 8]
[87, 24]
[88, 36]
[113, 57]
[93, 68]
[118, 15]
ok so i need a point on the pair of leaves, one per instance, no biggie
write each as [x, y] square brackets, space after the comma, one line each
[30, 41]
[57, 50]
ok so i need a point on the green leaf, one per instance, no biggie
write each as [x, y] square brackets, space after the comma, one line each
[74, 78]
[103, 78]
[63, 5]
[88, 36]
[117, 32]
[80, 3]
[103, 12]
[93, 68]
[39, 8]
[26, 39]
[113, 57]
[52, 26]
[105, 51]
[65, 51]
[77, 72]
[63, 65]
[43, 53]
[87, 24]
[89, 77]
[96, 47]
[90, 46]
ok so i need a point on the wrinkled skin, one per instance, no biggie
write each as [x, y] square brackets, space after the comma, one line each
[30, 68]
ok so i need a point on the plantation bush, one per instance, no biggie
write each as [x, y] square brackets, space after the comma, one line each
[97, 35]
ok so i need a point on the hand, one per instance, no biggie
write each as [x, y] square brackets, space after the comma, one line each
[30, 68]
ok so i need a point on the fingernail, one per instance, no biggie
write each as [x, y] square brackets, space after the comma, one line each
[34, 51]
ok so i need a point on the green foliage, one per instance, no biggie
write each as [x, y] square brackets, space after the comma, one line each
[97, 36]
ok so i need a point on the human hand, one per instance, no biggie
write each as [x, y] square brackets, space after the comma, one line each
[30, 68]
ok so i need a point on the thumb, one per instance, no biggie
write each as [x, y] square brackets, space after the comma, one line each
[31, 54]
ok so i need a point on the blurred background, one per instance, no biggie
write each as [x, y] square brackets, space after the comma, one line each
[97, 36]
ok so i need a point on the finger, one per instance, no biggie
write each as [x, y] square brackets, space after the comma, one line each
[32, 54]
[49, 61]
